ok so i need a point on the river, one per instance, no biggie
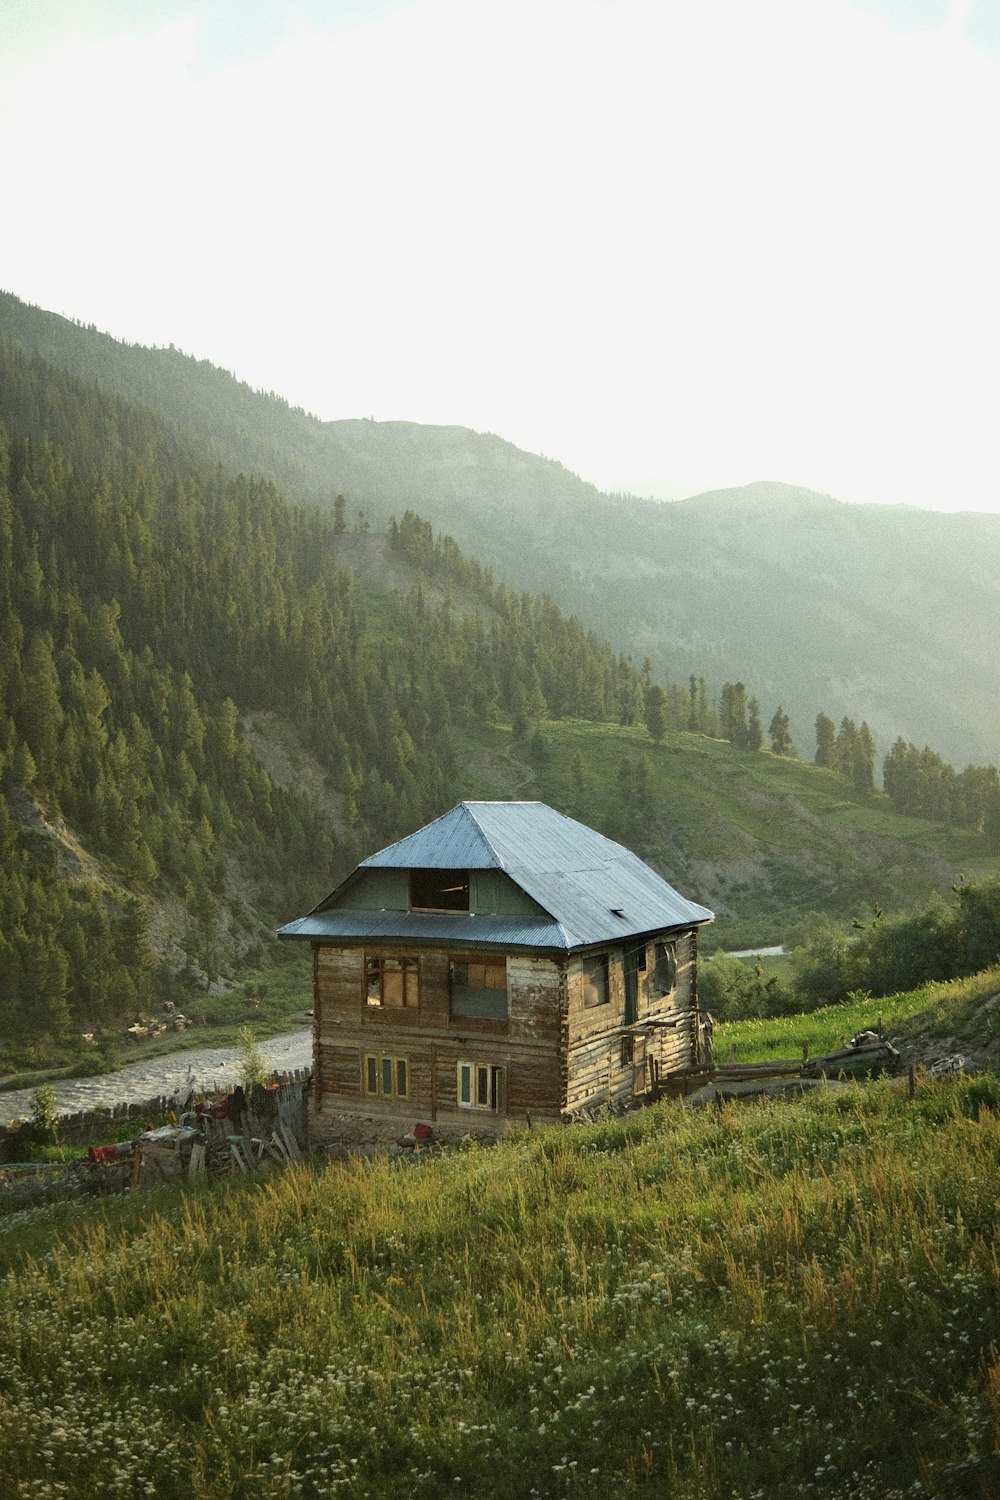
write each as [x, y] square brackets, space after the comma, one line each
[207, 1068]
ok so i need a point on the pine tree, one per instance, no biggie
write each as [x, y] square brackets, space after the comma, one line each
[826, 735]
[656, 712]
[780, 733]
[755, 735]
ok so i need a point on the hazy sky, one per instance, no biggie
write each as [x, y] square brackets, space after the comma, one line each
[676, 244]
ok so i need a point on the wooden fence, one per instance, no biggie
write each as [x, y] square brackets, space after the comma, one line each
[83, 1127]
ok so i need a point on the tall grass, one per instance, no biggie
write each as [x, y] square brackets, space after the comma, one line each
[777, 1300]
[944, 1009]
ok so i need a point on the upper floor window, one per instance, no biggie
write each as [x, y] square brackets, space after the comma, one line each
[595, 981]
[477, 987]
[439, 890]
[392, 981]
[665, 973]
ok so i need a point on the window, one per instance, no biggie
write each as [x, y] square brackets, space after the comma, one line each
[392, 981]
[595, 981]
[665, 972]
[481, 1086]
[439, 890]
[477, 987]
[387, 1077]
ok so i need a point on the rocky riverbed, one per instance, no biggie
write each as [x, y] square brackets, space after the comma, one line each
[207, 1068]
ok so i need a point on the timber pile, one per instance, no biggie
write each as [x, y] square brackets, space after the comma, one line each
[205, 1143]
[867, 1052]
[237, 1132]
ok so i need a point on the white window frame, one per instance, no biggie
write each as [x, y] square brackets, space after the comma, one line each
[481, 1086]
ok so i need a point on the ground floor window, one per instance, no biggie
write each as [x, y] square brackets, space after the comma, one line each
[482, 1086]
[387, 1077]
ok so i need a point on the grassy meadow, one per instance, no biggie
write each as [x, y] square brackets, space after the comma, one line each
[946, 1010]
[764, 1300]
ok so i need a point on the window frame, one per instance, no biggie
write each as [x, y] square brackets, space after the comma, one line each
[590, 966]
[487, 1090]
[374, 1064]
[487, 962]
[664, 963]
[454, 883]
[408, 968]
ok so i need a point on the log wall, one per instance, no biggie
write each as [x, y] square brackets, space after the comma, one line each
[347, 1030]
[610, 1062]
[557, 1054]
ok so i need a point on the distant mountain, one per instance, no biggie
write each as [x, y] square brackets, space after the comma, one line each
[885, 614]
[212, 702]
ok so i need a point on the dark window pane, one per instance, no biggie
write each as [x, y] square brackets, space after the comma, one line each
[439, 890]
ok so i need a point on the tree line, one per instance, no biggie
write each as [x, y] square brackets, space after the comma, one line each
[883, 955]
[148, 601]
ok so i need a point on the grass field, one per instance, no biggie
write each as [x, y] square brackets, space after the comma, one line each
[774, 1300]
[949, 1010]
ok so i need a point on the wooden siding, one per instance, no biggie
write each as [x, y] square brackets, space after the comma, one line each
[492, 893]
[599, 1069]
[526, 1045]
[377, 890]
[558, 1055]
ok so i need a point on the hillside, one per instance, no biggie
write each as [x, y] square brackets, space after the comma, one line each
[786, 1299]
[212, 703]
[882, 614]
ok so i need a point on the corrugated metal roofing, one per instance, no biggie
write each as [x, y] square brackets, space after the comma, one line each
[595, 890]
[448, 929]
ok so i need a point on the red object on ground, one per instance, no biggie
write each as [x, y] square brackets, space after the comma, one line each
[102, 1153]
[422, 1132]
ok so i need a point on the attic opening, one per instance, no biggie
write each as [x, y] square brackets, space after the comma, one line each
[439, 890]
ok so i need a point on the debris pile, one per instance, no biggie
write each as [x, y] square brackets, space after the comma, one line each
[237, 1132]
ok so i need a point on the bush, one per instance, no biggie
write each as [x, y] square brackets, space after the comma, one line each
[734, 990]
[253, 1068]
[44, 1119]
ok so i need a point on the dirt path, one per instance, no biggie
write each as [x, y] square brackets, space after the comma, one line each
[207, 1068]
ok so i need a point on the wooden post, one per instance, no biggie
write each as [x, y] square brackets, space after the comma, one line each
[805, 1053]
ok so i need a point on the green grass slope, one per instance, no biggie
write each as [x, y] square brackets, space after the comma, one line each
[780, 1300]
[762, 840]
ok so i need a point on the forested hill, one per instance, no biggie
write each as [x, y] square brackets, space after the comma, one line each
[884, 614]
[148, 599]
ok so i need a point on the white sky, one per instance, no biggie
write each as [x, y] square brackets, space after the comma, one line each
[676, 244]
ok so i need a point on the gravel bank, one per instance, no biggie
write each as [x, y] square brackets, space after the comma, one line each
[207, 1068]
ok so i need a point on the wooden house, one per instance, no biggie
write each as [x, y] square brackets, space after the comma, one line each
[502, 963]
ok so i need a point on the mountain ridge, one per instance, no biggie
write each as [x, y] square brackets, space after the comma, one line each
[881, 613]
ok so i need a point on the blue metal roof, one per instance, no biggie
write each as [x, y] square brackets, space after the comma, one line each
[450, 929]
[595, 891]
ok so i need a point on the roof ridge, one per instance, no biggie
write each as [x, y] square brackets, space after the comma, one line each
[467, 806]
